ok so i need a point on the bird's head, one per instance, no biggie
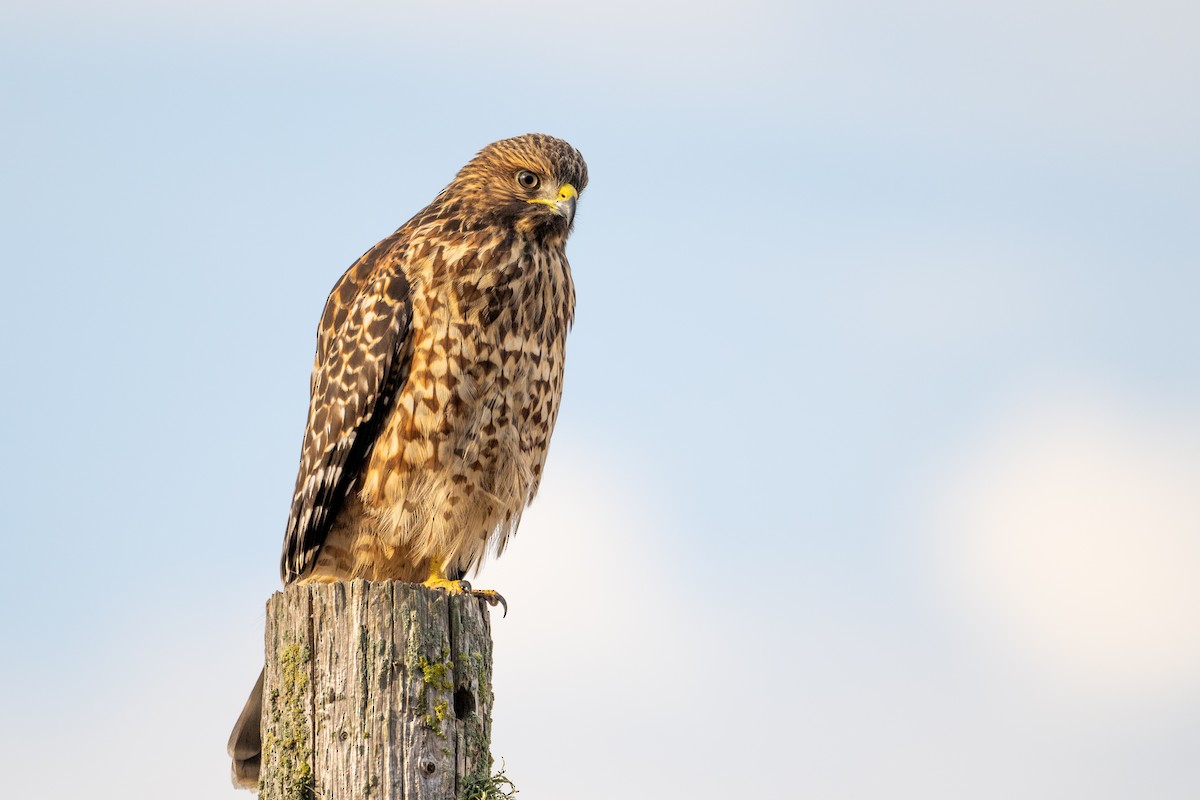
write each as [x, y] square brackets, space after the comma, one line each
[530, 183]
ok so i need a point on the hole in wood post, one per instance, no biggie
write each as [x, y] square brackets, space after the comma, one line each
[464, 703]
[428, 766]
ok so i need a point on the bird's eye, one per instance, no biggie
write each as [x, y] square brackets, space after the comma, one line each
[527, 179]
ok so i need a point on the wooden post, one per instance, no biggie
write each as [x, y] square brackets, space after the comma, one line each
[375, 690]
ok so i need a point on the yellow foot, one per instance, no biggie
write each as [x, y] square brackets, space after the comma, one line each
[491, 596]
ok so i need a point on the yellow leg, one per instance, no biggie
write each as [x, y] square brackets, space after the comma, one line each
[437, 580]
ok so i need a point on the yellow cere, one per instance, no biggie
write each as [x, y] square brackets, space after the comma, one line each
[565, 192]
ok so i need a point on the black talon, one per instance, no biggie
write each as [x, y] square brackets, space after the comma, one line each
[493, 599]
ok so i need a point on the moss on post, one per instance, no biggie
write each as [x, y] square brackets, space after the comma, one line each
[287, 730]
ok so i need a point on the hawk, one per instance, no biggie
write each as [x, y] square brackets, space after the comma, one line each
[435, 387]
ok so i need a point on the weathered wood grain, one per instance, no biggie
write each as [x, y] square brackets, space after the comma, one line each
[375, 690]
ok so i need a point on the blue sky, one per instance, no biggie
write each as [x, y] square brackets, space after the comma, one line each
[882, 392]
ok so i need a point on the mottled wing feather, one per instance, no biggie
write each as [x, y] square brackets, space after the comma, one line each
[359, 368]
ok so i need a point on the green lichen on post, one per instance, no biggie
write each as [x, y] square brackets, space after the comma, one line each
[440, 712]
[412, 644]
[484, 786]
[436, 677]
[438, 674]
[286, 742]
[478, 743]
[475, 728]
[478, 665]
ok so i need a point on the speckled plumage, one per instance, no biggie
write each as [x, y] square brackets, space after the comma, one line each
[436, 382]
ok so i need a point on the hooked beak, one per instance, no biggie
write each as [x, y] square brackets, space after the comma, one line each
[568, 197]
[563, 204]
